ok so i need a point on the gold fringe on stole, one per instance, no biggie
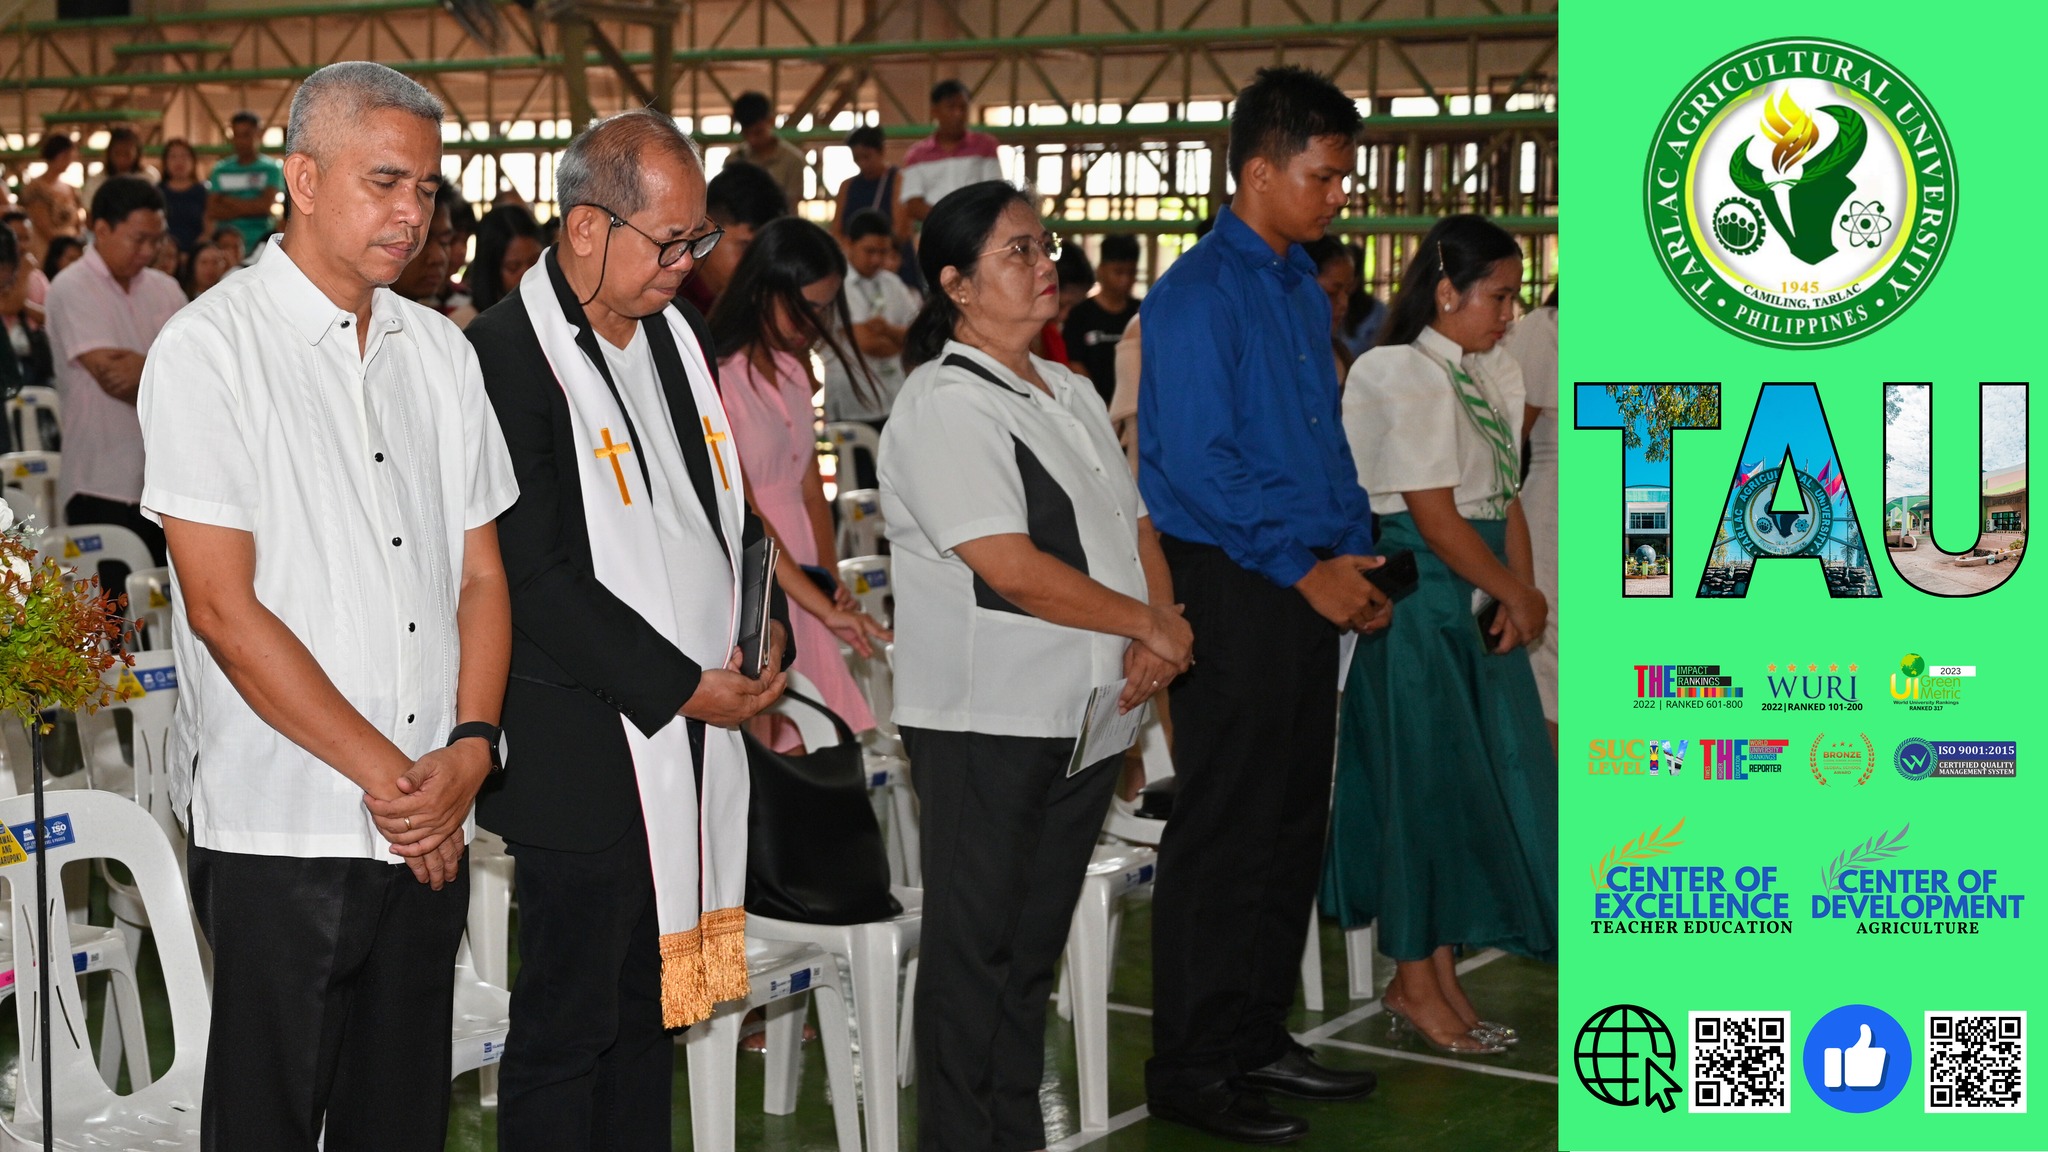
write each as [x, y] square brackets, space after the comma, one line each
[684, 997]
[703, 966]
[725, 952]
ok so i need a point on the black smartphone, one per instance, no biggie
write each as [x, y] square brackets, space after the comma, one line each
[1397, 577]
[1485, 610]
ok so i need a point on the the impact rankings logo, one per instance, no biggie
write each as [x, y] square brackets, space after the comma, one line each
[1800, 193]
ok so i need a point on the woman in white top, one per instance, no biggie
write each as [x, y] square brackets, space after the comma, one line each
[1444, 822]
[1027, 574]
[1533, 344]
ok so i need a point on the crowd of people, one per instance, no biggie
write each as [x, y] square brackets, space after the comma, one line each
[1206, 494]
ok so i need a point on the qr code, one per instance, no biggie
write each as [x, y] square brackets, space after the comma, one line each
[1738, 1062]
[1977, 1062]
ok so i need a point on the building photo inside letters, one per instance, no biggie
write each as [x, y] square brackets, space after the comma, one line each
[809, 574]
[1785, 821]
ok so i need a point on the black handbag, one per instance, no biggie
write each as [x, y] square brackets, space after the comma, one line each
[814, 849]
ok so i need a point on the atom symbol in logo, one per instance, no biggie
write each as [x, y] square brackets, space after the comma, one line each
[1865, 223]
[1739, 225]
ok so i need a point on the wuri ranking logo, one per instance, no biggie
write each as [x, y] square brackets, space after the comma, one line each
[1800, 192]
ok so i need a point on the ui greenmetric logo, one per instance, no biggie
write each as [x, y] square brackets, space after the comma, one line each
[1800, 193]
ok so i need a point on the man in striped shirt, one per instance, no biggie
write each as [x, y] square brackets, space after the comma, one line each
[951, 157]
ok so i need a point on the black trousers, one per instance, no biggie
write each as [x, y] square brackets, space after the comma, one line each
[588, 1065]
[1007, 838]
[1254, 732]
[333, 1002]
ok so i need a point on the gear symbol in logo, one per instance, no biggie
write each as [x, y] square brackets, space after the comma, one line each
[1865, 224]
[1739, 226]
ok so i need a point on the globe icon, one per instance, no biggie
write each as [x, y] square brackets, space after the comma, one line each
[1613, 1047]
[1913, 665]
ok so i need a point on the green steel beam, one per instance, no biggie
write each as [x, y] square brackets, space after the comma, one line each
[169, 47]
[102, 116]
[1259, 37]
[1376, 127]
[229, 16]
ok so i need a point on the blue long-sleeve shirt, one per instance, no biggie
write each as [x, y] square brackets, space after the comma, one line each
[1240, 433]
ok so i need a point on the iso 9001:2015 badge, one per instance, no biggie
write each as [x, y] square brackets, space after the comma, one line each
[1800, 193]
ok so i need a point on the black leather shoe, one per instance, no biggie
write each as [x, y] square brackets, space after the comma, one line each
[1300, 1075]
[1231, 1114]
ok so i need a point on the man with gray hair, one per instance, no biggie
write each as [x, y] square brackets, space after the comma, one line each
[627, 815]
[326, 468]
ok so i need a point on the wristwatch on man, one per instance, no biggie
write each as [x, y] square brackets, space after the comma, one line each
[490, 734]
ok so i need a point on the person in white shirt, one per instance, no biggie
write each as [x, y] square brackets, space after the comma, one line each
[327, 469]
[882, 309]
[1027, 575]
[103, 314]
[1443, 824]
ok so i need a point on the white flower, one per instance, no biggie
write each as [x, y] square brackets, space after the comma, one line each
[6, 516]
[19, 569]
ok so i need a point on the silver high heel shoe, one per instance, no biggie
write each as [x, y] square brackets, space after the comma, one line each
[1496, 1033]
[1399, 1026]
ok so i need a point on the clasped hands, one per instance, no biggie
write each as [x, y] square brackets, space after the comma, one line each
[1520, 620]
[1339, 592]
[1164, 651]
[423, 820]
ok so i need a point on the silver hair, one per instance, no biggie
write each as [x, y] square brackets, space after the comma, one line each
[342, 94]
[603, 166]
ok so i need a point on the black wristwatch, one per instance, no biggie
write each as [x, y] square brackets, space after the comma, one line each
[490, 734]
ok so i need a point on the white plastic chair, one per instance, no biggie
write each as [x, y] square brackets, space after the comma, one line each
[860, 522]
[488, 943]
[33, 413]
[875, 955]
[778, 974]
[15, 756]
[483, 1011]
[99, 949]
[848, 439]
[164, 1115]
[34, 475]
[148, 694]
[149, 608]
[84, 547]
[866, 579]
[1116, 871]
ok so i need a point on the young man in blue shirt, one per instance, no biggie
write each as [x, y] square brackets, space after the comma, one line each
[1245, 468]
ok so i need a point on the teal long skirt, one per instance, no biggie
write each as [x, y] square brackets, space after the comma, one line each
[1443, 828]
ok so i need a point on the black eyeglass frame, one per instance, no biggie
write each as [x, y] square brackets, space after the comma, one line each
[667, 253]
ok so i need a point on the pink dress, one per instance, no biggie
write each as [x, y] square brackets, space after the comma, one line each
[772, 429]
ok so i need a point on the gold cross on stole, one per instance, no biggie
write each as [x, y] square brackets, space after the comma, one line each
[611, 452]
[715, 439]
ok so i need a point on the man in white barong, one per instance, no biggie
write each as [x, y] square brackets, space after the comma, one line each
[627, 811]
[325, 465]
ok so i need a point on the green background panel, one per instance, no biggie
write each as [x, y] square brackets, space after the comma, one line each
[1978, 322]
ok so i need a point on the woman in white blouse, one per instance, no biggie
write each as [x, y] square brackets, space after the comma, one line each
[1027, 574]
[1444, 824]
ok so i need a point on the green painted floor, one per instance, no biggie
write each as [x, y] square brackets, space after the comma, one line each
[1493, 1104]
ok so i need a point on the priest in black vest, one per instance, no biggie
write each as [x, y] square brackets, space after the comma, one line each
[624, 799]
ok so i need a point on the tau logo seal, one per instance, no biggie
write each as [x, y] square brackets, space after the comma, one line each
[1764, 526]
[1800, 193]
